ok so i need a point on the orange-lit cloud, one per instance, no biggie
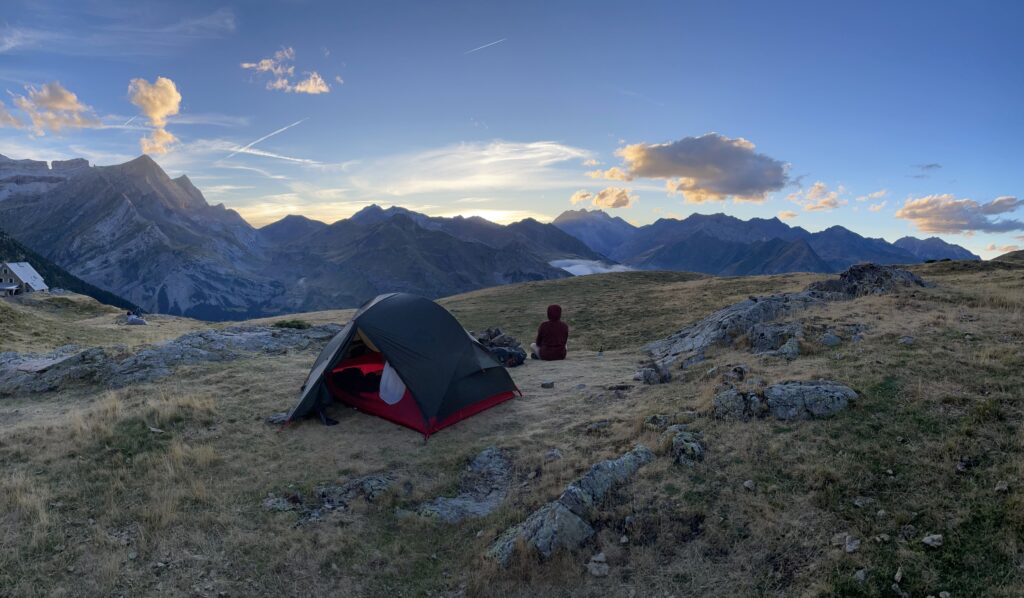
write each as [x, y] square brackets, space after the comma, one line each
[52, 107]
[949, 214]
[158, 101]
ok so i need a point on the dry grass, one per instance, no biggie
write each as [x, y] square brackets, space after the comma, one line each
[94, 502]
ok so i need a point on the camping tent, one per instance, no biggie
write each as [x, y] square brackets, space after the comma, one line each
[444, 374]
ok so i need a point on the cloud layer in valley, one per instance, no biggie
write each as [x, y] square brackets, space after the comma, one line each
[949, 214]
[711, 167]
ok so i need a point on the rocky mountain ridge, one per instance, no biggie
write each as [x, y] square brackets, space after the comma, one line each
[726, 245]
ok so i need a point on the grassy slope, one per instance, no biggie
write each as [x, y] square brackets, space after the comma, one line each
[91, 502]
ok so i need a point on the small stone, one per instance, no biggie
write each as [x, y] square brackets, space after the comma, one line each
[945, 594]
[839, 539]
[624, 540]
[829, 339]
[881, 514]
[598, 565]
[852, 544]
[862, 501]
[899, 575]
[132, 555]
[882, 538]
[548, 384]
[553, 454]
[749, 485]
[933, 540]
[906, 340]
[531, 475]
[1002, 487]
[860, 575]
[597, 569]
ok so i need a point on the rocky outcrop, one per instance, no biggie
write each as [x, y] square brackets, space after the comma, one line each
[565, 523]
[115, 367]
[482, 490]
[687, 446]
[785, 401]
[756, 318]
[504, 347]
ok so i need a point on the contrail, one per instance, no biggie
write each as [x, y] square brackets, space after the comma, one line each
[128, 122]
[265, 137]
[486, 46]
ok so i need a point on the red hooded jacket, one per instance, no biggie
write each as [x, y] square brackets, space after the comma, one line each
[552, 335]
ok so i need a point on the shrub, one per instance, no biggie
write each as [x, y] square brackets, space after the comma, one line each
[296, 324]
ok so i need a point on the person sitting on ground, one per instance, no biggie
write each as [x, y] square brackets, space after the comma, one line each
[551, 337]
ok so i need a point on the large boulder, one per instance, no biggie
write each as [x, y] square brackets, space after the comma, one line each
[565, 523]
[550, 528]
[785, 401]
[482, 489]
[756, 318]
[868, 279]
[807, 400]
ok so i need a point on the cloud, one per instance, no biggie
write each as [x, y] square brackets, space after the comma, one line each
[1001, 249]
[925, 170]
[110, 34]
[471, 168]
[52, 107]
[590, 162]
[948, 214]
[873, 195]
[711, 167]
[7, 119]
[581, 196]
[281, 70]
[877, 207]
[158, 101]
[614, 197]
[818, 198]
[787, 215]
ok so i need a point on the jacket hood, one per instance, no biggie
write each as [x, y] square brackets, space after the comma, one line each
[554, 312]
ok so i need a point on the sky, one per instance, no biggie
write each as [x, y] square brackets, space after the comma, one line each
[888, 118]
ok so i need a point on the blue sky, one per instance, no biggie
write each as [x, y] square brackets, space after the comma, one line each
[888, 118]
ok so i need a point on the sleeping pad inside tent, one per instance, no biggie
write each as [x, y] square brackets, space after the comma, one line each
[408, 360]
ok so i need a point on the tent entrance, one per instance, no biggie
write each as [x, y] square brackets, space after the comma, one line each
[355, 381]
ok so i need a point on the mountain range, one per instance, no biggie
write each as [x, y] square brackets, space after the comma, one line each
[725, 245]
[155, 241]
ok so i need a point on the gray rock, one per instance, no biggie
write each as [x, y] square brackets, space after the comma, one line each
[733, 404]
[598, 565]
[749, 485]
[563, 523]
[687, 447]
[756, 317]
[933, 540]
[553, 454]
[860, 575]
[657, 422]
[548, 529]
[588, 491]
[114, 367]
[482, 489]
[653, 374]
[830, 339]
[1002, 487]
[807, 400]
[370, 487]
[547, 384]
[906, 340]
[790, 349]
[599, 427]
